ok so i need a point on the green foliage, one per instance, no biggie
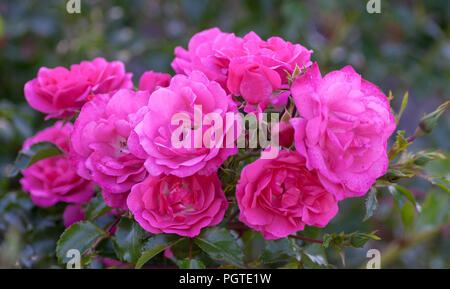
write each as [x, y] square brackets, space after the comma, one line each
[371, 203]
[80, 236]
[33, 154]
[156, 245]
[190, 264]
[221, 245]
[129, 240]
[30, 32]
[96, 208]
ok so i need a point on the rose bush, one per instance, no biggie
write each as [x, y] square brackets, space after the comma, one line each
[155, 169]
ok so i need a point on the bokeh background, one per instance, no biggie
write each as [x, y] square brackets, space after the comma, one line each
[404, 48]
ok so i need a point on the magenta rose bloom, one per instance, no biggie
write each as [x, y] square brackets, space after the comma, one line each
[59, 91]
[151, 138]
[282, 56]
[98, 145]
[210, 52]
[151, 80]
[253, 79]
[277, 197]
[183, 206]
[53, 180]
[343, 130]
[263, 70]
[103, 76]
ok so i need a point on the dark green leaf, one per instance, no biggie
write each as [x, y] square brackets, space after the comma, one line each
[128, 240]
[253, 245]
[278, 250]
[33, 154]
[96, 208]
[80, 236]
[190, 264]
[156, 245]
[371, 203]
[220, 245]
[313, 257]
[403, 203]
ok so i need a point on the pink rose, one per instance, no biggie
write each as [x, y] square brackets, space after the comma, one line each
[53, 180]
[253, 79]
[282, 55]
[279, 196]
[183, 206]
[285, 134]
[73, 213]
[98, 145]
[151, 138]
[103, 76]
[343, 130]
[59, 91]
[210, 52]
[151, 80]
[56, 91]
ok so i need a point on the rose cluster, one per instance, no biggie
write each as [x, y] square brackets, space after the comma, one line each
[121, 138]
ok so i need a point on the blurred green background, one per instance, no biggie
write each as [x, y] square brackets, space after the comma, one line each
[405, 48]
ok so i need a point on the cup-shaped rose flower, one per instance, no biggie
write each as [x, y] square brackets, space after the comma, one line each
[210, 52]
[151, 80]
[103, 76]
[53, 180]
[59, 91]
[174, 132]
[98, 145]
[282, 55]
[277, 197]
[343, 130]
[183, 206]
[253, 78]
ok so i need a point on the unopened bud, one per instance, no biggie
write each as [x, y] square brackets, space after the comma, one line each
[428, 122]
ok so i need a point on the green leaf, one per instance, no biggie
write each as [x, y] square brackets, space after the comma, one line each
[313, 257]
[435, 211]
[96, 208]
[156, 245]
[220, 245]
[253, 245]
[404, 205]
[371, 203]
[442, 183]
[33, 154]
[190, 264]
[402, 108]
[80, 236]
[354, 239]
[278, 250]
[358, 240]
[401, 143]
[408, 195]
[394, 175]
[128, 240]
